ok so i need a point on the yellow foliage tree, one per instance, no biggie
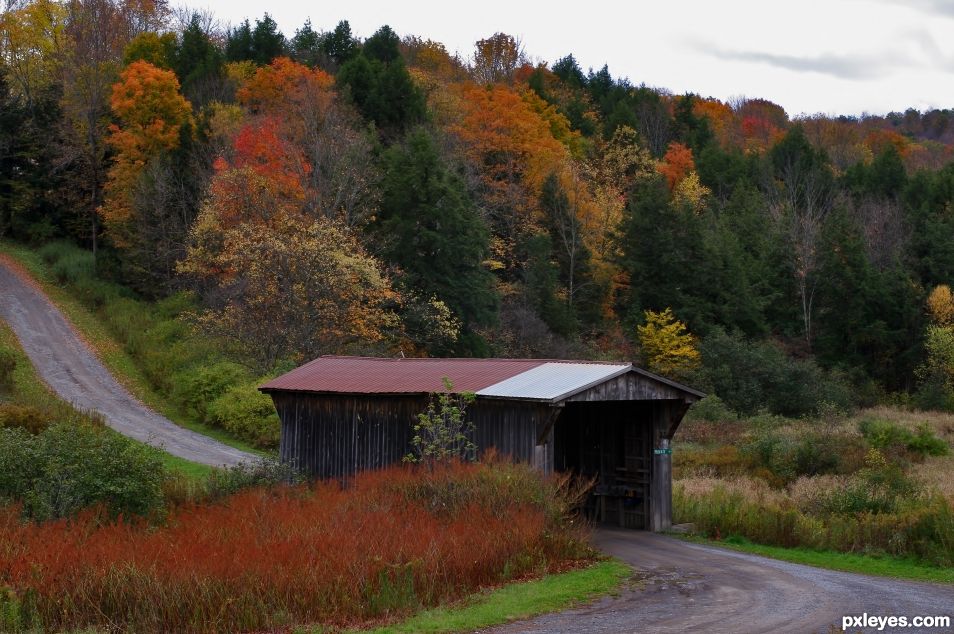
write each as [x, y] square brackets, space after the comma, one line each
[667, 347]
[940, 304]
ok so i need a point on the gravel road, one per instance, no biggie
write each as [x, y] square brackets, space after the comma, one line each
[74, 372]
[685, 587]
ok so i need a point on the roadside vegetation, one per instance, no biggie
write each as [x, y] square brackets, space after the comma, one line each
[876, 482]
[389, 544]
[512, 602]
[99, 532]
[154, 350]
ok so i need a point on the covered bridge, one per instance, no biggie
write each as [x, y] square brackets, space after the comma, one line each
[613, 421]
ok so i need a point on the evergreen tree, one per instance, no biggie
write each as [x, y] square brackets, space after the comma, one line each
[567, 69]
[869, 320]
[429, 229]
[238, 43]
[306, 45]
[692, 130]
[541, 278]
[197, 62]
[267, 41]
[383, 45]
[381, 87]
[662, 254]
[261, 44]
[340, 45]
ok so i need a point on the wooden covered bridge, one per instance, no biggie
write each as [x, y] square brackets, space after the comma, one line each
[340, 415]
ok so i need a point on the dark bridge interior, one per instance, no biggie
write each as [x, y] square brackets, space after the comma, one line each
[611, 440]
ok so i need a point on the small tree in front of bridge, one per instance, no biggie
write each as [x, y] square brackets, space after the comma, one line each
[443, 432]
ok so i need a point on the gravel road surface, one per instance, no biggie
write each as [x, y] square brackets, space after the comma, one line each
[74, 372]
[684, 587]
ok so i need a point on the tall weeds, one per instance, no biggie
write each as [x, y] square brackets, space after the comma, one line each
[389, 543]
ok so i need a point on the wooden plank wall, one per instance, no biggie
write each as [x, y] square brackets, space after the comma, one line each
[628, 387]
[331, 436]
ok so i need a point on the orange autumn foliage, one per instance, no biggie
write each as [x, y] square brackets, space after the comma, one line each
[283, 83]
[879, 140]
[720, 116]
[260, 146]
[676, 164]
[512, 146]
[152, 113]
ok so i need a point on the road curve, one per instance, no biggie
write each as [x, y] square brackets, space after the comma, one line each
[78, 377]
[686, 587]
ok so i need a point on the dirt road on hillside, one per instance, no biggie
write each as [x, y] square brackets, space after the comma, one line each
[74, 372]
[684, 587]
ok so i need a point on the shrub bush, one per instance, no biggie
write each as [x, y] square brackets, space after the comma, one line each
[247, 413]
[180, 490]
[750, 376]
[67, 467]
[199, 386]
[893, 438]
[922, 528]
[32, 419]
[783, 458]
[70, 264]
[712, 409]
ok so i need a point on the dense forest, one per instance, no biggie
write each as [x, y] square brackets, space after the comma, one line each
[318, 194]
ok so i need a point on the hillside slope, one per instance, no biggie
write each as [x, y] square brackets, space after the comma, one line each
[74, 372]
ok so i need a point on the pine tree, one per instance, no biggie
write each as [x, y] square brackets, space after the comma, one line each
[428, 227]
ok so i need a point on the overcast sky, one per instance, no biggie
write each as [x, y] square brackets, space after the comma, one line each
[827, 56]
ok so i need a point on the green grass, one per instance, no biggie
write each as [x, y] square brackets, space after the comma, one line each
[880, 566]
[110, 351]
[28, 388]
[516, 601]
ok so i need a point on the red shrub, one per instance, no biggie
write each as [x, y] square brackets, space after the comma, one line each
[392, 541]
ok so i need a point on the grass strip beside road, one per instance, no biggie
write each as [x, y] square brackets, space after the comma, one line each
[875, 565]
[109, 351]
[516, 601]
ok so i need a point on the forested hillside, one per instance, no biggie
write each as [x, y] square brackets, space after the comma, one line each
[314, 193]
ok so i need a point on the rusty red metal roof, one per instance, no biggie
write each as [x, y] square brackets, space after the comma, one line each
[374, 375]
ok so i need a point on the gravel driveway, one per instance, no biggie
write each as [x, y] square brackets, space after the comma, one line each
[74, 372]
[685, 587]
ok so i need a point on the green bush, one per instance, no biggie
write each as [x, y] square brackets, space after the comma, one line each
[8, 363]
[712, 409]
[51, 252]
[67, 467]
[925, 443]
[179, 489]
[33, 419]
[198, 387]
[787, 458]
[889, 436]
[751, 376]
[247, 413]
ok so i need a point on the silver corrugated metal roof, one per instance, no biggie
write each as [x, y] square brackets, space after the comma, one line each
[552, 381]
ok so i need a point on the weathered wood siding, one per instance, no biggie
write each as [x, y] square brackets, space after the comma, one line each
[628, 387]
[333, 436]
[337, 435]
